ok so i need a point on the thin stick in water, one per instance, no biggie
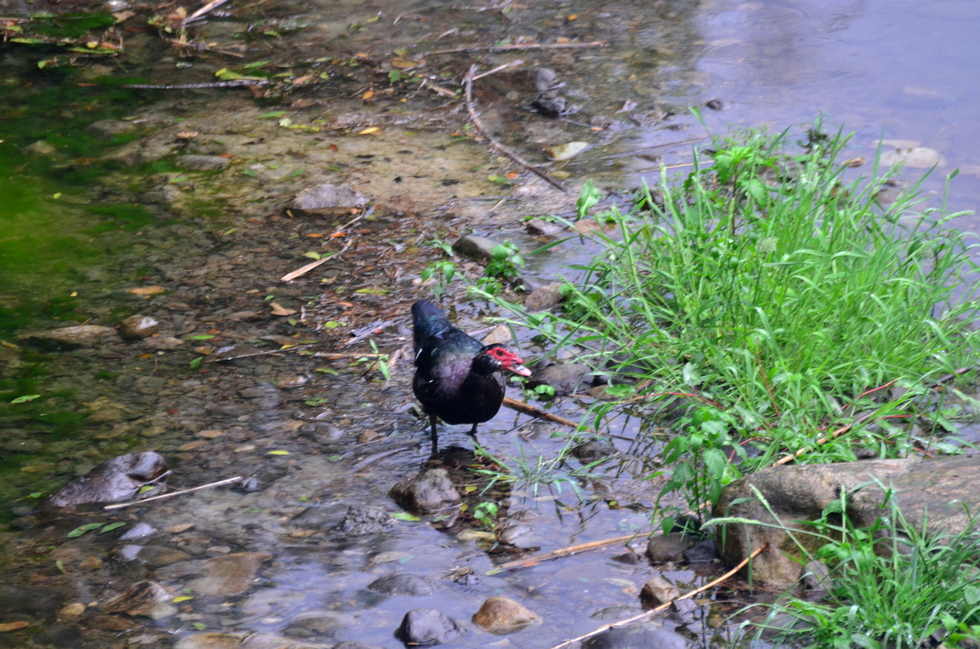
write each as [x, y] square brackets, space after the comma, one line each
[175, 493]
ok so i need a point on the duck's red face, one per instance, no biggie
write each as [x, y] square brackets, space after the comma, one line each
[508, 360]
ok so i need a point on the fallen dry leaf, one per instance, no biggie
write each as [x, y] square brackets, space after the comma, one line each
[146, 291]
[187, 135]
[280, 310]
[369, 130]
[13, 626]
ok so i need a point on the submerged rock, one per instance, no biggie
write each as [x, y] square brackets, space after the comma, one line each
[500, 615]
[115, 480]
[593, 451]
[544, 298]
[427, 627]
[138, 599]
[364, 520]
[68, 338]
[429, 492]
[241, 641]
[229, 575]
[412, 585]
[193, 162]
[109, 128]
[565, 378]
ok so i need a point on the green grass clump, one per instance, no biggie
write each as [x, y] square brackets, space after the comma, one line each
[775, 295]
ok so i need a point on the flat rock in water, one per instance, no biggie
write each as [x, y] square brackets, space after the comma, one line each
[943, 487]
[202, 162]
[327, 200]
[636, 636]
[229, 575]
[68, 338]
[541, 227]
[412, 585]
[500, 615]
[320, 622]
[364, 520]
[238, 641]
[35, 601]
[426, 627]
[429, 492]
[115, 480]
[354, 644]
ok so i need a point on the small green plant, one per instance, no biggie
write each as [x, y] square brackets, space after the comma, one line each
[382, 361]
[486, 513]
[540, 392]
[504, 265]
[443, 270]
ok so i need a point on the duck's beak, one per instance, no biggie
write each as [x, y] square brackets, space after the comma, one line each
[516, 366]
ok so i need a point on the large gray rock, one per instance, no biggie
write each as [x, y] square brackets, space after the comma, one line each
[474, 247]
[412, 585]
[115, 480]
[942, 491]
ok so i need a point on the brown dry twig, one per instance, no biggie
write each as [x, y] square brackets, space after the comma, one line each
[563, 552]
[478, 125]
[528, 409]
[663, 607]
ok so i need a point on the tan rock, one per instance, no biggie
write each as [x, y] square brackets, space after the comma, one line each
[500, 615]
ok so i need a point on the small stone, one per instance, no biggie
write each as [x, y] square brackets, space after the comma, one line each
[429, 492]
[109, 128]
[658, 591]
[319, 622]
[210, 434]
[71, 611]
[155, 556]
[411, 585]
[110, 623]
[512, 534]
[161, 611]
[500, 615]
[368, 436]
[541, 227]
[90, 563]
[476, 248]
[190, 446]
[476, 535]
[499, 335]
[292, 382]
[426, 626]
[202, 162]
[203, 350]
[136, 327]
[180, 529]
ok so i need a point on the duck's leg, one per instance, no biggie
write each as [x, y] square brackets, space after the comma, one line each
[472, 432]
[435, 437]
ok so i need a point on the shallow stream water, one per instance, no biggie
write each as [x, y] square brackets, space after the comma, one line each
[94, 216]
